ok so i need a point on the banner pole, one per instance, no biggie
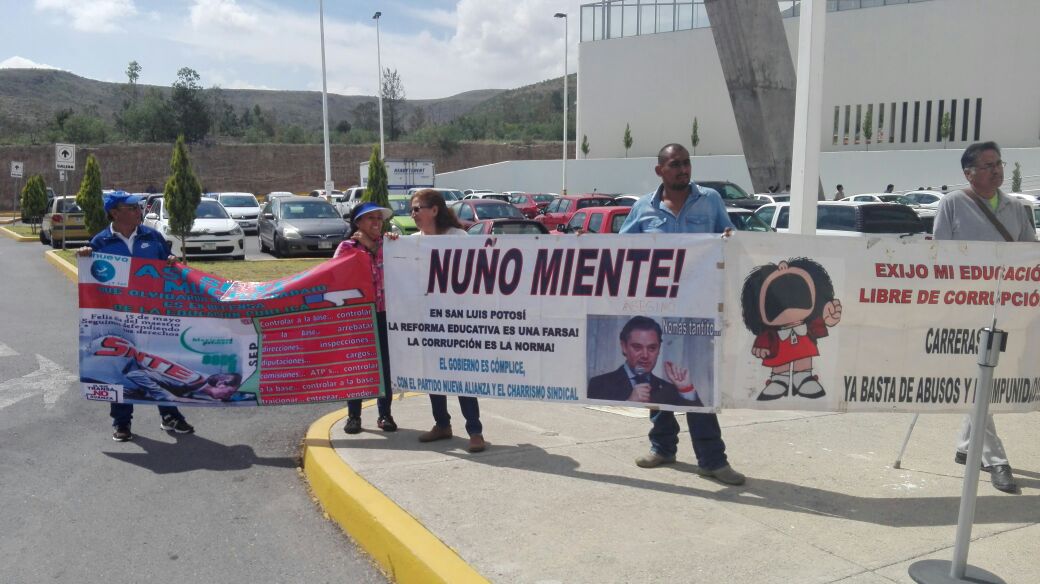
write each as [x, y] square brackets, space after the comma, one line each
[906, 440]
[993, 342]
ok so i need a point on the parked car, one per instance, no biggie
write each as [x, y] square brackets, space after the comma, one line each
[470, 211]
[450, 195]
[924, 198]
[531, 203]
[849, 219]
[877, 198]
[402, 221]
[732, 195]
[745, 220]
[507, 227]
[290, 225]
[497, 196]
[1027, 199]
[626, 200]
[63, 221]
[214, 232]
[596, 220]
[561, 209]
[243, 208]
[773, 198]
[471, 191]
[275, 194]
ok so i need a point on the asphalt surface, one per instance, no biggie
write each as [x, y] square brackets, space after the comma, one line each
[227, 504]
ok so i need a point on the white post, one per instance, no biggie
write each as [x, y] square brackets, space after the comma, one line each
[565, 108]
[379, 80]
[329, 185]
[808, 103]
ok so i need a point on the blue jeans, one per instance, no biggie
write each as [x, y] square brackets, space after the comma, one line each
[470, 411]
[383, 403]
[123, 413]
[704, 430]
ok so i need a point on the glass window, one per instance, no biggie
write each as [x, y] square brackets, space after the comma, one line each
[782, 219]
[617, 221]
[766, 214]
[509, 228]
[890, 219]
[583, 203]
[596, 222]
[836, 218]
[565, 205]
[238, 201]
[576, 221]
[465, 212]
[476, 229]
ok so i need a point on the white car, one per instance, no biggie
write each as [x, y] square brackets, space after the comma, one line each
[851, 219]
[214, 232]
[487, 195]
[877, 198]
[925, 198]
[243, 208]
[450, 195]
[773, 198]
[1028, 199]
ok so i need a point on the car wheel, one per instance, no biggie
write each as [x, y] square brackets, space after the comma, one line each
[263, 246]
[276, 247]
[56, 244]
[43, 238]
[281, 249]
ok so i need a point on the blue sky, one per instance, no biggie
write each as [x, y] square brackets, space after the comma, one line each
[439, 47]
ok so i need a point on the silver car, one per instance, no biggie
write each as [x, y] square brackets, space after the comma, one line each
[300, 225]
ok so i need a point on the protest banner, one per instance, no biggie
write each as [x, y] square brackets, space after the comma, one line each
[153, 333]
[542, 318]
[876, 323]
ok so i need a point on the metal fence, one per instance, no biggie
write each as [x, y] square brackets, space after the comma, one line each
[612, 19]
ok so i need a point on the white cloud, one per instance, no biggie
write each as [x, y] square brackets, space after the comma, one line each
[17, 62]
[93, 15]
[437, 17]
[222, 13]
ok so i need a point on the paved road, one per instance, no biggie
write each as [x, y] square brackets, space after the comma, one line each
[224, 505]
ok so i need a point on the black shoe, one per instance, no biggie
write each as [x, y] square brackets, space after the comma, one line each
[962, 458]
[180, 426]
[122, 434]
[353, 425]
[1003, 480]
[387, 424]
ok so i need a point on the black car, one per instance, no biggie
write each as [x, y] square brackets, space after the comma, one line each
[731, 193]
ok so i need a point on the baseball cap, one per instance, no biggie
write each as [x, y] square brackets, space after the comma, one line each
[365, 208]
[119, 198]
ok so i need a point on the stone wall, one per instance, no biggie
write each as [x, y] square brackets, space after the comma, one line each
[255, 168]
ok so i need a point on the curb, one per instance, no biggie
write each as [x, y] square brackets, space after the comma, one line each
[19, 238]
[402, 546]
[63, 265]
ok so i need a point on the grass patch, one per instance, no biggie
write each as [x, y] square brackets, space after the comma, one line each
[258, 271]
[24, 230]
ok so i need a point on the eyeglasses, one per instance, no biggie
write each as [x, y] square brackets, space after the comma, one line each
[419, 208]
[992, 166]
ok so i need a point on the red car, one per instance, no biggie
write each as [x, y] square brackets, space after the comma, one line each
[562, 208]
[596, 220]
[531, 203]
[470, 211]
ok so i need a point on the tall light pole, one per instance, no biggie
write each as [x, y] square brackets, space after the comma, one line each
[329, 185]
[379, 80]
[563, 15]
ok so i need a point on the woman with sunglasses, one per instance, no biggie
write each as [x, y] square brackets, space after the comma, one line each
[366, 232]
[433, 217]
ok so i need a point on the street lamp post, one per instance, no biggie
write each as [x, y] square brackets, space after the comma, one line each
[379, 80]
[329, 185]
[565, 108]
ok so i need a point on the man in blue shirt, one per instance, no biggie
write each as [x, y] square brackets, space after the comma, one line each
[127, 237]
[680, 206]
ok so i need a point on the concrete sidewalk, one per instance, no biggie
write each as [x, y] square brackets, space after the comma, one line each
[557, 498]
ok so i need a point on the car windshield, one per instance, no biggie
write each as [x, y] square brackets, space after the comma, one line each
[582, 203]
[1036, 215]
[748, 222]
[308, 210]
[543, 198]
[728, 191]
[624, 202]
[891, 219]
[401, 207]
[210, 209]
[497, 211]
[238, 201]
[781, 199]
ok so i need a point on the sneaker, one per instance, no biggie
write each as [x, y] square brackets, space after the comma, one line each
[724, 474]
[654, 459]
[1002, 478]
[387, 424]
[353, 425]
[122, 434]
[476, 443]
[437, 433]
[180, 426]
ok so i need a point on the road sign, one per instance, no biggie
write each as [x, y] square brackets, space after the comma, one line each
[65, 156]
[16, 169]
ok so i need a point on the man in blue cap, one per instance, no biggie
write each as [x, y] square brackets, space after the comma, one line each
[126, 236]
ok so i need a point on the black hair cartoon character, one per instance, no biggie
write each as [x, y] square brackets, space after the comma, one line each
[788, 306]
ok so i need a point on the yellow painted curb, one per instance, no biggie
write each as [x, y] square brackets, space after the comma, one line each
[19, 238]
[402, 546]
[63, 265]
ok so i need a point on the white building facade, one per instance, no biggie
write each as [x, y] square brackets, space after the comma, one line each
[905, 63]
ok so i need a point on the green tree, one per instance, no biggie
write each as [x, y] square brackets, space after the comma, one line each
[89, 197]
[393, 102]
[189, 107]
[133, 73]
[149, 119]
[627, 139]
[1016, 179]
[377, 189]
[85, 129]
[695, 136]
[585, 145]
[945, 128]
[34, 200]
[868, 126]
[181, 194]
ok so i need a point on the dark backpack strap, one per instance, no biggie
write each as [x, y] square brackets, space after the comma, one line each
[984, 206]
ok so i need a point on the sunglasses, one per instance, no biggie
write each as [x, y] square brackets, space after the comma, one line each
[419, 208]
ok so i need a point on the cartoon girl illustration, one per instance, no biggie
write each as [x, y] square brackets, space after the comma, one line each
[788, 306]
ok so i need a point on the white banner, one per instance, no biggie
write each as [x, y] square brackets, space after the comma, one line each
[542, 318]
[877, 324]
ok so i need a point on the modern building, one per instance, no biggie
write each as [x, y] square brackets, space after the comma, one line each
[906, 65]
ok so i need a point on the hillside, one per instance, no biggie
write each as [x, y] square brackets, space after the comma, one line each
[30, 98]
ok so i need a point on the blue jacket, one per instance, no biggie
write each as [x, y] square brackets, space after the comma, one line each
[149, 244]
[703, 212]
